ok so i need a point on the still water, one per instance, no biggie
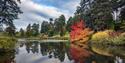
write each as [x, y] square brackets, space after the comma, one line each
[58, 52]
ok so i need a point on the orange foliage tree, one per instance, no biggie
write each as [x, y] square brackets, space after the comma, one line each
[79, 34]
[79, 37]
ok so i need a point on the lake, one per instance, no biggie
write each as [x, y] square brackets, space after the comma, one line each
[58, 52]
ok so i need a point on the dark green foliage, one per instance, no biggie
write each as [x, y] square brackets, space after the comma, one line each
[22, 33]
[59, 25]
[10, 31]
[35, 29]
[102, 12]
[28, 31]
[56, 27]
[44, 27]
[69, 23]
[51, 27]
[51, 33]
[98, 14]
[57, 51]
[84, 12]
[9, 11]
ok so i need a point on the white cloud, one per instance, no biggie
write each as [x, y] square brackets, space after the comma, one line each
[71, 6]
[36, 13]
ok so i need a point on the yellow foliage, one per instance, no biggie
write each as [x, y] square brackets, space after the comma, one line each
[100, 36]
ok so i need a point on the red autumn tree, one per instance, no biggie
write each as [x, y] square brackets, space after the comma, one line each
[79, 33]
[79, 37]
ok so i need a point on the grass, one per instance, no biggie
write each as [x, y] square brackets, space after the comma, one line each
[107, 39]
[55, 37]
[7, 42]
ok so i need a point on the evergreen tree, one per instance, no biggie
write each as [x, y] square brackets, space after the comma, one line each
[35, 29]
[10, 30]
[60, 25]
[28, 31]
[69, 23]
[84, 12]
[97, 13]
[22, 33]
[51, 27]
[44, 27]
[9, 11]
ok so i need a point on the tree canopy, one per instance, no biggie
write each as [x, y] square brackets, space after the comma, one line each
[101, 14]
[9, 11]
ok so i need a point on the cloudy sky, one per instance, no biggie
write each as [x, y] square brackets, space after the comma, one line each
[35, 11]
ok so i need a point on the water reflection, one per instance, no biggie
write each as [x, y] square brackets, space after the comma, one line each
[80, 55]
[60, 52]
[7, 57]
[56, 50]
[108, 54]
[50, 49]
[32, 47]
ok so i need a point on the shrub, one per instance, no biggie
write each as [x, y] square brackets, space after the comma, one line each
[118, 40]
[109, 37]
[7, 42]
[100, 36]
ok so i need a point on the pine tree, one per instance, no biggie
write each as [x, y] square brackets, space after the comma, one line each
[44, 27]
[28, 31]
[9, 11]
[35, 29]
[60, 25]
[10, 31]
[69, 23]
[22, 33]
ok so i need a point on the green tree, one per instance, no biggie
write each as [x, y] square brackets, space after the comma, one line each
[60, 25]
[22, 33]
[35, 29]
[102, 10]
[51, 27]
[84, 12]
[9, 11]
[69, 23]
[10, 31]
[28, 31]
[44, 27]
[97, 13]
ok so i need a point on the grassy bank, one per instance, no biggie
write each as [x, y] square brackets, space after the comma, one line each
[7, 42]
[109, 38]
[45, 37]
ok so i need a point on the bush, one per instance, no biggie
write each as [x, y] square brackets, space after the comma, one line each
[7, 42]
[116, 41]
[109, 37]
[100, 36]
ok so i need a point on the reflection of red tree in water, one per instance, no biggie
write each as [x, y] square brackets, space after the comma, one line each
[79, 38]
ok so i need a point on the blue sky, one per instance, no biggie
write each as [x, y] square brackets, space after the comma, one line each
[35, 11]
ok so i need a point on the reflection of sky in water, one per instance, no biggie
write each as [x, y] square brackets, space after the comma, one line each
[24, 57]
